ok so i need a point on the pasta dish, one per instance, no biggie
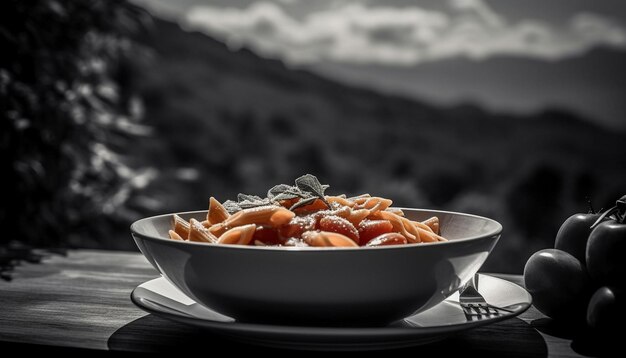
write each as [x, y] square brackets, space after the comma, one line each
[302, 215]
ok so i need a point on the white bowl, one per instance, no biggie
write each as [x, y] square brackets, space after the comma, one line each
[327, 286]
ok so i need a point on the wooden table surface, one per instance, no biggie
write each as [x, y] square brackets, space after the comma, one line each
[82, 301]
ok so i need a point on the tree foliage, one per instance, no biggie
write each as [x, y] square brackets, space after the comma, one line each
[64, 115]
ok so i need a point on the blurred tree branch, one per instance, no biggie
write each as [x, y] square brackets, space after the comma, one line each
[65, 113]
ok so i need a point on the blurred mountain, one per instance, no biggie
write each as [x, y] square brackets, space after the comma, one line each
[230, 121]
[593, 84]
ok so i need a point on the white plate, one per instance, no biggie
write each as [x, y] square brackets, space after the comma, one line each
[161, 298]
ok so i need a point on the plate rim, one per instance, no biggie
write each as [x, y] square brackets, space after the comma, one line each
[408, 330]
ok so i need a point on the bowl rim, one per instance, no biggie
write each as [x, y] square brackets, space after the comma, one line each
[495, 232]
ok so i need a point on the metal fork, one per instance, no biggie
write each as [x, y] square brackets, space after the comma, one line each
[473, 303]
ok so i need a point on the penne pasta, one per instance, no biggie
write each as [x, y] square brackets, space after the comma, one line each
[240, 235]
[263, 215]
[340, 200]
[327, 239]
[180, 226]
[175, 236]
[302, 215]
[217, 213]
[198, 233]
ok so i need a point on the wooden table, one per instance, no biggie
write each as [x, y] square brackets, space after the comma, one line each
[81, 301]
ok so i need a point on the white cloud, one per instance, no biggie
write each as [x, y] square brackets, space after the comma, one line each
[479, 8]
[359, 33]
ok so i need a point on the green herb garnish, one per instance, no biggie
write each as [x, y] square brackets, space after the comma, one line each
[307, 188]
[310, 183]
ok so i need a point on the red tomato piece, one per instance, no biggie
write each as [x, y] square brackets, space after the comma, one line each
[369, 229]
[297, 226]
[314, 206]
[339, 225]
[267, 236]
[287, 203]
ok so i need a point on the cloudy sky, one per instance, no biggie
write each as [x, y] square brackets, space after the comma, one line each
[403, 32]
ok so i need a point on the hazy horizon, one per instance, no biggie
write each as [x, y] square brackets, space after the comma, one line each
[434, 50]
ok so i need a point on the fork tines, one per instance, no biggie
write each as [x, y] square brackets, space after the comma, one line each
[474, 305]
[476, 310]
